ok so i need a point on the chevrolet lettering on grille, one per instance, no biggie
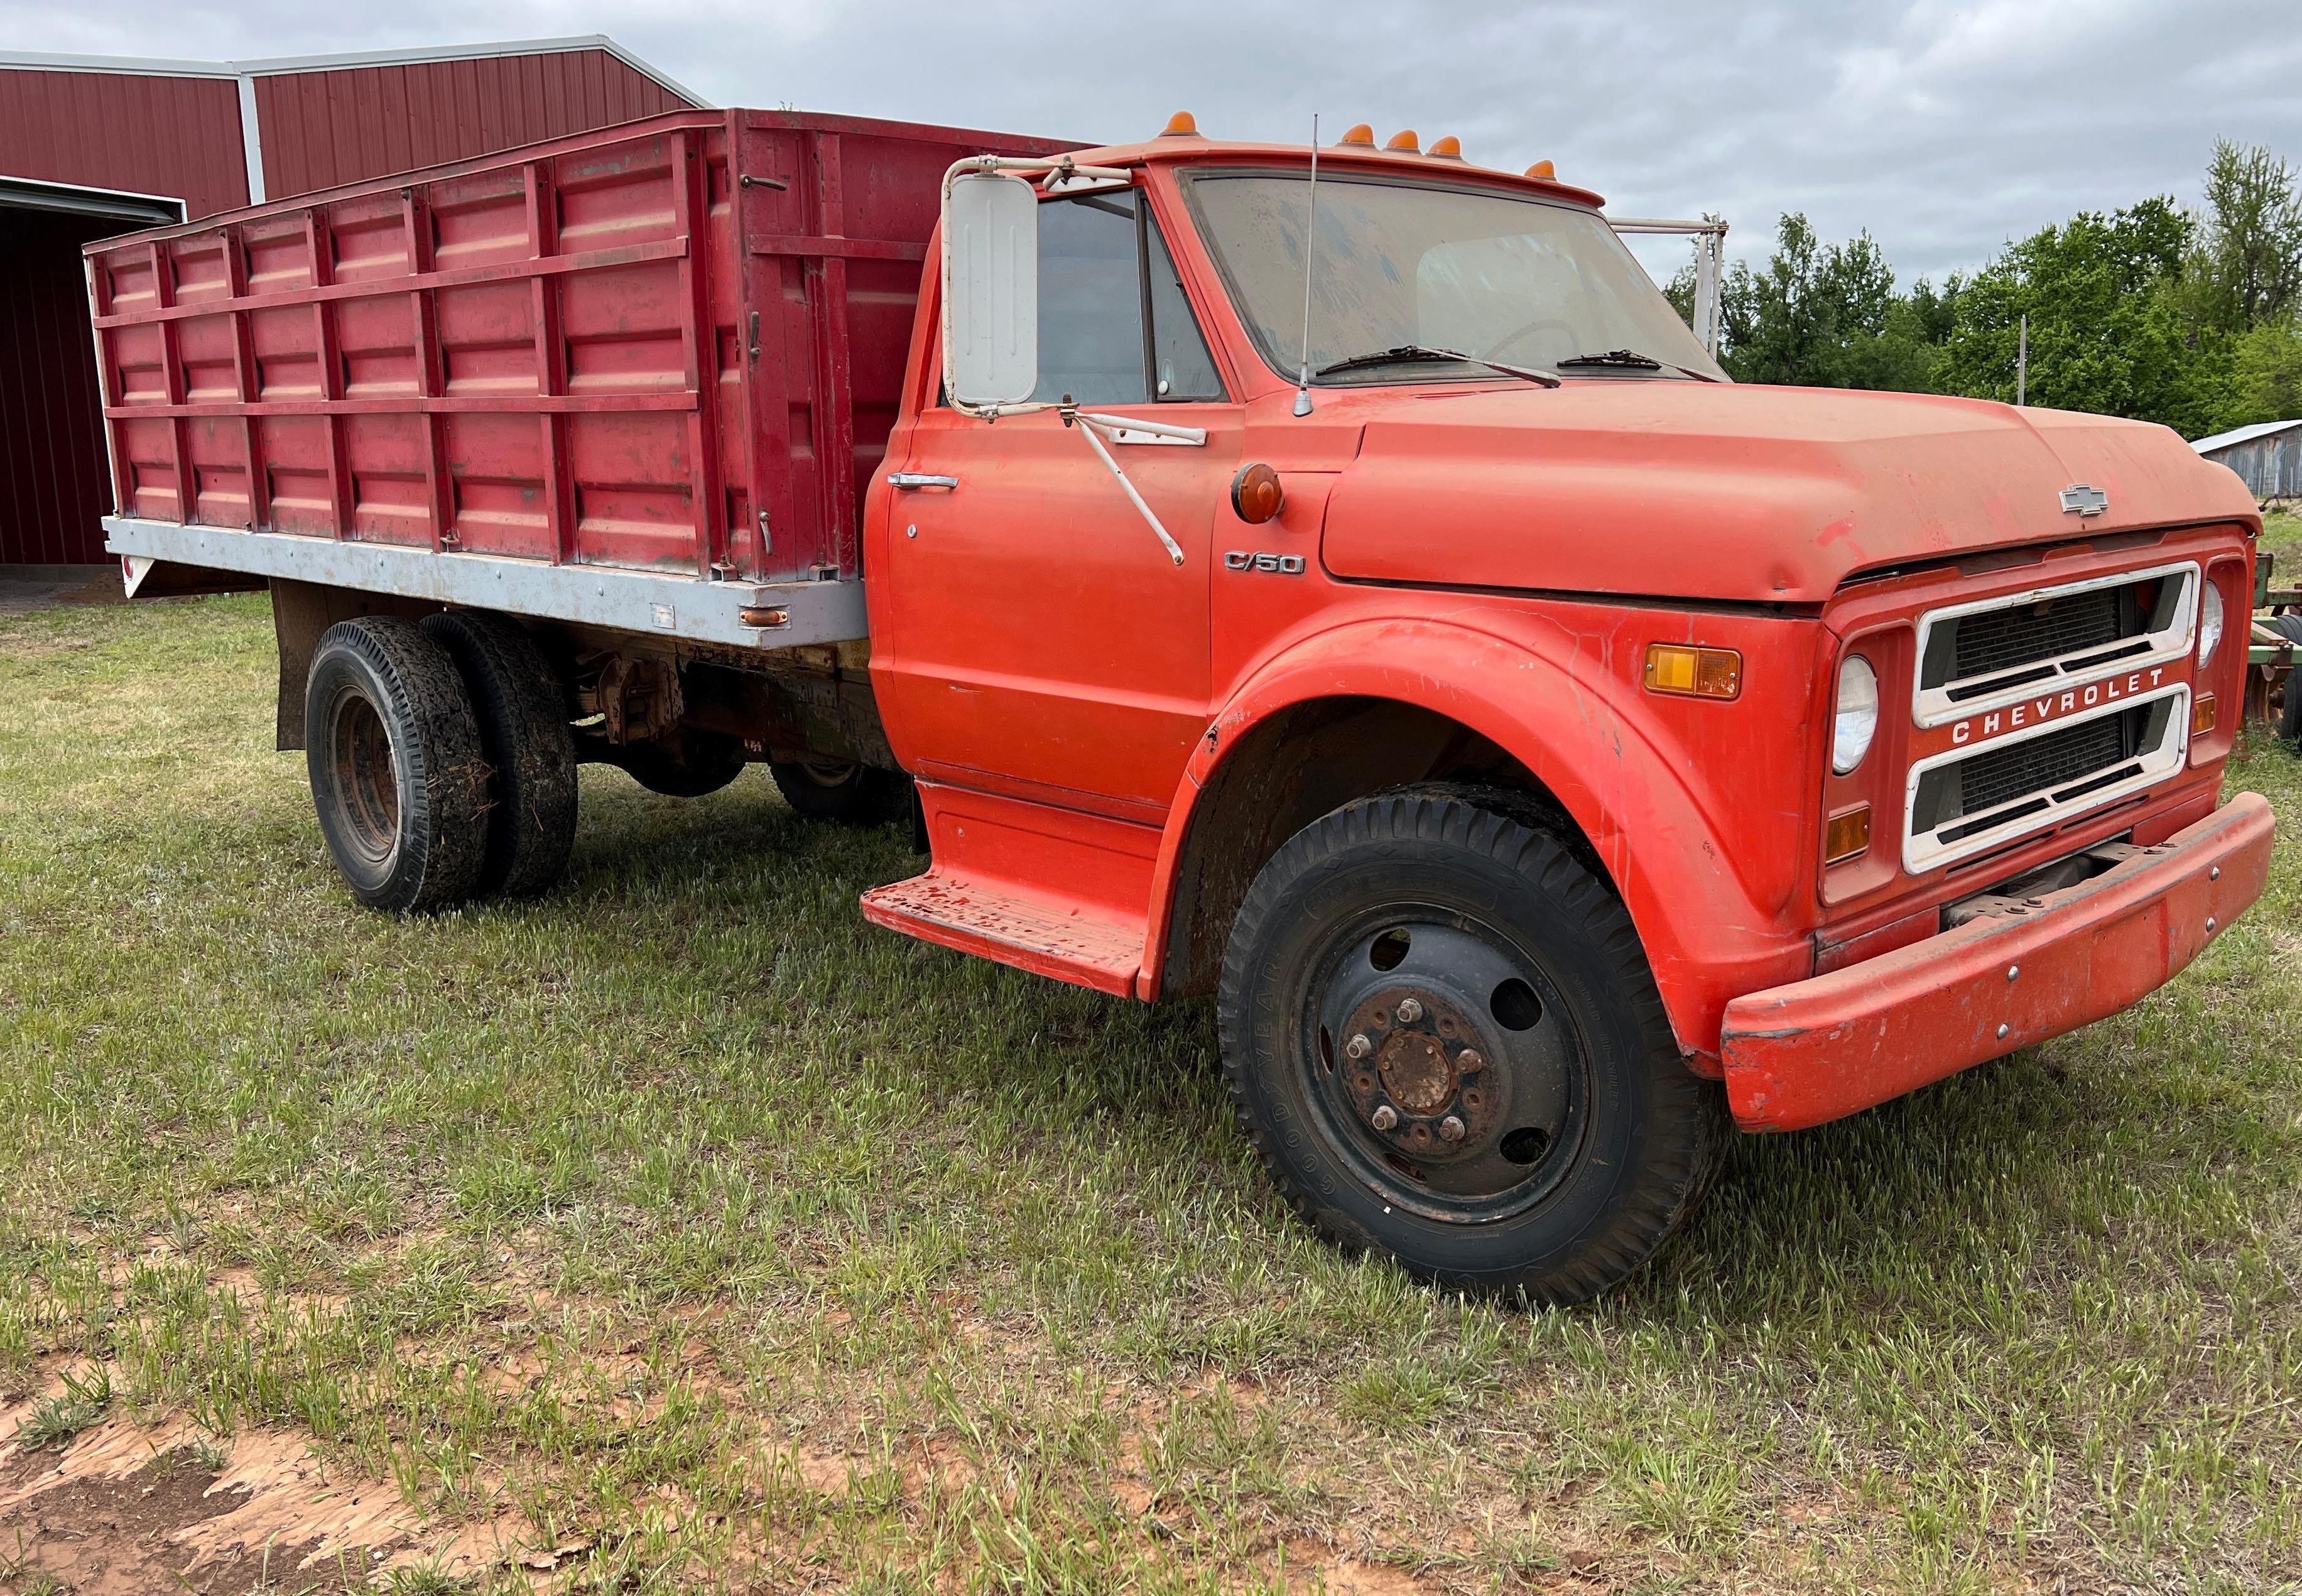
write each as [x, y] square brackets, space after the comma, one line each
[2052, 706]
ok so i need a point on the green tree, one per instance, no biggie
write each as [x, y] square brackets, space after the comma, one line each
[1827, 316]
[2107, 331]
[2248, 264]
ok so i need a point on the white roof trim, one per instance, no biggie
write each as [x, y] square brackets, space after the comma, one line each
[269, 66]
[2261, 429]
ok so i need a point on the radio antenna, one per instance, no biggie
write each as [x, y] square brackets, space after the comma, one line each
[1310, 244]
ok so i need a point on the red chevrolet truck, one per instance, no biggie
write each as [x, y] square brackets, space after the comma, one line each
[1333, 580]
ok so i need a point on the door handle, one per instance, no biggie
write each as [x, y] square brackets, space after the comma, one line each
[909, 480]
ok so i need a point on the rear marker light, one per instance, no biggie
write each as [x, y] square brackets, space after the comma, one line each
[2202, 715]
[764, 618]
[1692, 672]
[1847, 836]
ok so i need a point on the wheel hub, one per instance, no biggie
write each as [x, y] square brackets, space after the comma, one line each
[1449, 1067]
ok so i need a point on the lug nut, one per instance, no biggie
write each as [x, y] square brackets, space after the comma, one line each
[1409, 1012]
[1450, 1129]
[1384, 1118]
[1470, 1061]
[1359, 1047]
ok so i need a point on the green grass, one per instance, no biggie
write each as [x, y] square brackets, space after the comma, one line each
[734, 1242]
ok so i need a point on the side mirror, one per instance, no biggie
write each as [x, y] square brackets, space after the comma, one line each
[991, 288]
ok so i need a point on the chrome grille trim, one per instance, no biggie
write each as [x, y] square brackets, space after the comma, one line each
[2018, 815]
[1935, 706]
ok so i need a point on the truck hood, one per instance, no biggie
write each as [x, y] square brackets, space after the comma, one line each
[1733, 493]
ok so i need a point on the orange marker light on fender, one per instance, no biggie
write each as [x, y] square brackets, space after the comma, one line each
[1847, 836]
[1686, 671]
[1360, 134]
[1255, 494]
[1181, 125]
[1544, 170]
[1405, 142]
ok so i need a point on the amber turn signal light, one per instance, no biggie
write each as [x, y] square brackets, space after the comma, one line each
[1847, 836]
[1255, 494]
[2202, 715]
[1693, 672]
[1359, 133]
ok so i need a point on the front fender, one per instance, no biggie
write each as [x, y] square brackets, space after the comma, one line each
[1700, 831]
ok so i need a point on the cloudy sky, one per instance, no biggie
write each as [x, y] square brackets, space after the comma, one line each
[1942, 126]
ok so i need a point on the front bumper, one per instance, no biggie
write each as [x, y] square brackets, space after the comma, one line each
[1815, 1050]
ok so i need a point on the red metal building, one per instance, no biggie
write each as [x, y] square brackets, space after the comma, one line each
[91, 146]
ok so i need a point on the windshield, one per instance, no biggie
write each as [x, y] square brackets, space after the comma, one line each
[1400, 263]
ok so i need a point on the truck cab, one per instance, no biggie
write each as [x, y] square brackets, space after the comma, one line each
[1332, 580]
[1637, 731]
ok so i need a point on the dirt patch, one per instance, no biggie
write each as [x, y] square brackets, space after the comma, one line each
[112, 1536]
[126, 1510]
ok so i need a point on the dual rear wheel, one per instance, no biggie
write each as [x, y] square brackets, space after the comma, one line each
[442, 763]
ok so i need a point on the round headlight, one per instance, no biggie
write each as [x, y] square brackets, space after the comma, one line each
[1858, 714]
[2210, 622]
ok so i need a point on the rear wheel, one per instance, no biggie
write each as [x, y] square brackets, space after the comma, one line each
[398, 779]
[1443, 1039]
[524, 731]
[829, 789]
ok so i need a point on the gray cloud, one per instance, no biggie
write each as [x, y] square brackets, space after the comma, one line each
[1944, 126]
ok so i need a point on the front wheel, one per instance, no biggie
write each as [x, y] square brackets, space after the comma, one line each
[1443, 1039]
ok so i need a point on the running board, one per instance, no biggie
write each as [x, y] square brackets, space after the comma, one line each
[1074, 945]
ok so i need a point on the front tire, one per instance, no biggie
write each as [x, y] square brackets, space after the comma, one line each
[398, 779]
[1443, 1039]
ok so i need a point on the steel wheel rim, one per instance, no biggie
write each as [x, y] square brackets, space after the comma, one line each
[1519, 1104]
[365, 777]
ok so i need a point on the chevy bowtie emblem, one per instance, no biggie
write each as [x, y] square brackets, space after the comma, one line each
[2079, 499]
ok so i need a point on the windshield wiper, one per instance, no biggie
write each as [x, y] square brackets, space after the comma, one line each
[1632, 358]
[1408, 352]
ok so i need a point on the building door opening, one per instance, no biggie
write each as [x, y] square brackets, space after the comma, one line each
[55, 481]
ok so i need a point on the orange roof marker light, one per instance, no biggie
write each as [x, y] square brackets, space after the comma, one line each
[1181, 125]
[1448, 148]
[1404, 142]
[1359, 133]
[1543, 169]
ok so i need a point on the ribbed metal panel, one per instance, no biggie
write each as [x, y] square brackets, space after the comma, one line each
[54, 488]
[178, 136]
[322, 129]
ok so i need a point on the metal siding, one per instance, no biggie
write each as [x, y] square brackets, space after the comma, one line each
[2271, 465]
[54, 487]
[178, 136]
[323, 128]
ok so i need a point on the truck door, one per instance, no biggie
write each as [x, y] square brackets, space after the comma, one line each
[1043, 643]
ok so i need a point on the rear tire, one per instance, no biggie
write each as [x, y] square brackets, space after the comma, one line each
[697, 764]
[398, 779]
[837, 790]
[524, 731]
[1443, 1039]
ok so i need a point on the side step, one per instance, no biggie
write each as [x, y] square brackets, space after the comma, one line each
[1071, 944]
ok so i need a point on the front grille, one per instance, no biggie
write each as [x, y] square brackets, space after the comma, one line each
[2010, 788]
[2001, 639]
[1990, 779]
[1976, 656]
